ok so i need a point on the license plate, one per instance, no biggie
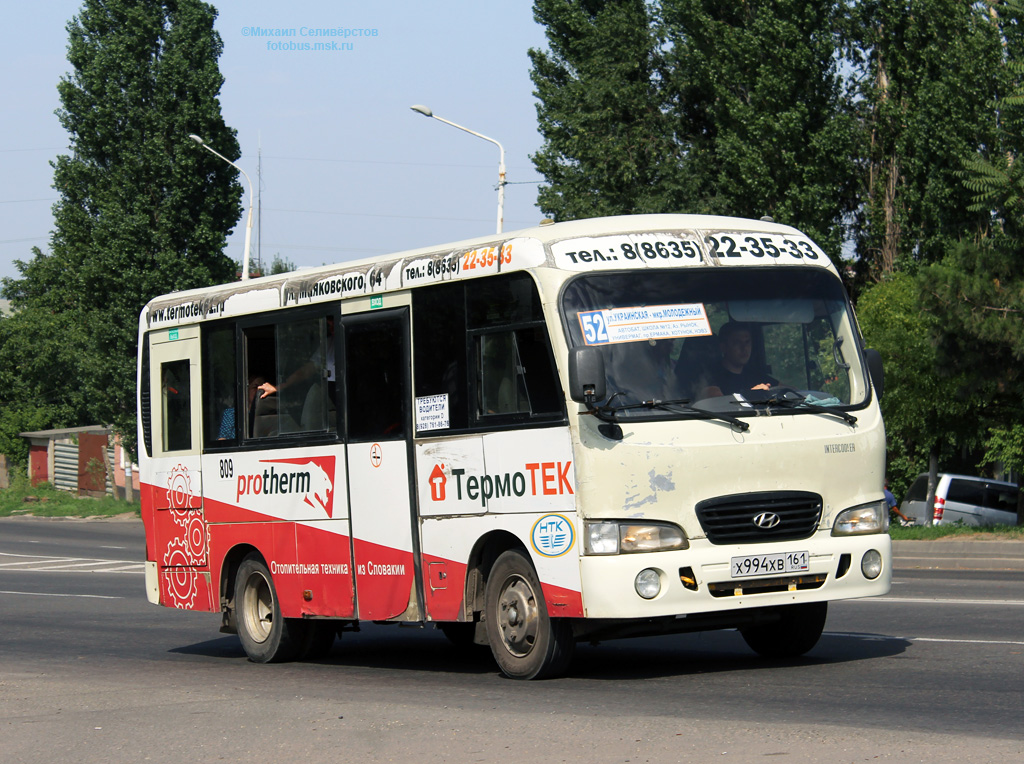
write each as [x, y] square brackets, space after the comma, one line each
[769, 564]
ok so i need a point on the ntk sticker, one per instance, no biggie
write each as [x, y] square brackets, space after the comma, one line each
[552, 536]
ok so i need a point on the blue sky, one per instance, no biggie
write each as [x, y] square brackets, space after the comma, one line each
[348, 170]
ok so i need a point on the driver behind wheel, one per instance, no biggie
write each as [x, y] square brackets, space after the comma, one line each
[734, 372]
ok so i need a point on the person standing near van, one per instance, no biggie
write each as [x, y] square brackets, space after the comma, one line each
[890, 500]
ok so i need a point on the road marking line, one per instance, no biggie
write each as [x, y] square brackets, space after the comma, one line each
[967, 641]
[40, 564]
[67, 565]
[137, 570]
[885, 638]
[28, 558]
[48, 594]
[938, 601]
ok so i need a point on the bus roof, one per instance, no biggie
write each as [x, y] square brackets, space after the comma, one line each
[620, 242]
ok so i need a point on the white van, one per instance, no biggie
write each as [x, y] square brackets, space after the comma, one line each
[963, 499]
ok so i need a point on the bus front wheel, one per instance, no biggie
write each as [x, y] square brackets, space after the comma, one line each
[797, 630]
[525, 641]
[266, 637]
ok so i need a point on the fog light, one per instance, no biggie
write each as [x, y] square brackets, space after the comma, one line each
[648, 583]
[871, 564]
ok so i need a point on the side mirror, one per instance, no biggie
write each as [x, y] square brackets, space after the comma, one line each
[586, 375]
[874, 359]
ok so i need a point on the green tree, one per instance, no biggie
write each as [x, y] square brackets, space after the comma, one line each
[929, 69]
[141, 209]
[281, 265]
[977, 290]
[994, 176]
[976, 296]
[759, 106]
[930, 410]
[697, 106]
[608, 141]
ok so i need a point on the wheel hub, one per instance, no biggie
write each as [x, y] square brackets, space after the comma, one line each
[518, 617]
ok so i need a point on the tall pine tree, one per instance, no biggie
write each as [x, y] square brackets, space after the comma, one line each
[976, 290]
[929, 70]
[142, 210]
[608, 143]
[695, 106]
[759, 103]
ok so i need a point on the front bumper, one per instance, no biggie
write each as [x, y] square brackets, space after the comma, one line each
[834, 573]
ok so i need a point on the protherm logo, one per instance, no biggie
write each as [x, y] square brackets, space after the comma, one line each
[536, 479]
[315, 483]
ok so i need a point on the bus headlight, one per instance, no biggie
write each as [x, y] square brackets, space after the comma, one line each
[867, 518]
[614, 537]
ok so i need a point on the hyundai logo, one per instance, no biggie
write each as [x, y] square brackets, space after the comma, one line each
[767, 520]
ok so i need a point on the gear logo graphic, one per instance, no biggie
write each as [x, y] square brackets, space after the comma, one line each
[191, 536]
[183, 582]
[179, 487]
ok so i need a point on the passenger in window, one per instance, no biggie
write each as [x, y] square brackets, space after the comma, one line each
[317, 363]
[735, 373]
[227, 420]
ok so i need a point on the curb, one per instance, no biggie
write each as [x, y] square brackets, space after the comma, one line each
[958, 555]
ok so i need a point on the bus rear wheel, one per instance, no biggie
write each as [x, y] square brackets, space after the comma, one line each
[798, 630]
[525, 641]
[266, 637]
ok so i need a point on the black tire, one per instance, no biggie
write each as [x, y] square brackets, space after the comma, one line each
[797, 631]
[525, 641]
[266, 637]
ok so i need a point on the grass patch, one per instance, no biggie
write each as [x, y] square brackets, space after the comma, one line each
[957, 532]
[44, 500]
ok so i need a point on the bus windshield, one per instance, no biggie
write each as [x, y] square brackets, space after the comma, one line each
[719, 339]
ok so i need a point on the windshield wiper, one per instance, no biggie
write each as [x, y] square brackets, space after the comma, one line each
[607, 412]
[791, 399]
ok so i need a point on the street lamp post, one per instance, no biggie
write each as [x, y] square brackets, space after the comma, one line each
[426, 112]
[248, 225]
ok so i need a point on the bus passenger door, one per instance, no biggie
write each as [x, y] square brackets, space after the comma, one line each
[177, 490]
[379, 429]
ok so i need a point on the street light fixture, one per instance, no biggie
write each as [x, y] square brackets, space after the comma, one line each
[248, 225]
[426, 112]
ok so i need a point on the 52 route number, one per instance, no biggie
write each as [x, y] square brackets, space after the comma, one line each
[595, 332]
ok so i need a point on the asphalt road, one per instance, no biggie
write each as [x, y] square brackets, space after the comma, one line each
[91, 672]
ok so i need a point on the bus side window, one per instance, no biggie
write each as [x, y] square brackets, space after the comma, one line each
[303, 368]
[291, 366]
[439, 338]
[375, 382]
[176, 405]
[515, 373]
[221, 417]
[261, 420]
[538, 371]
[146, 399]
[499, 375]
[509, 369]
